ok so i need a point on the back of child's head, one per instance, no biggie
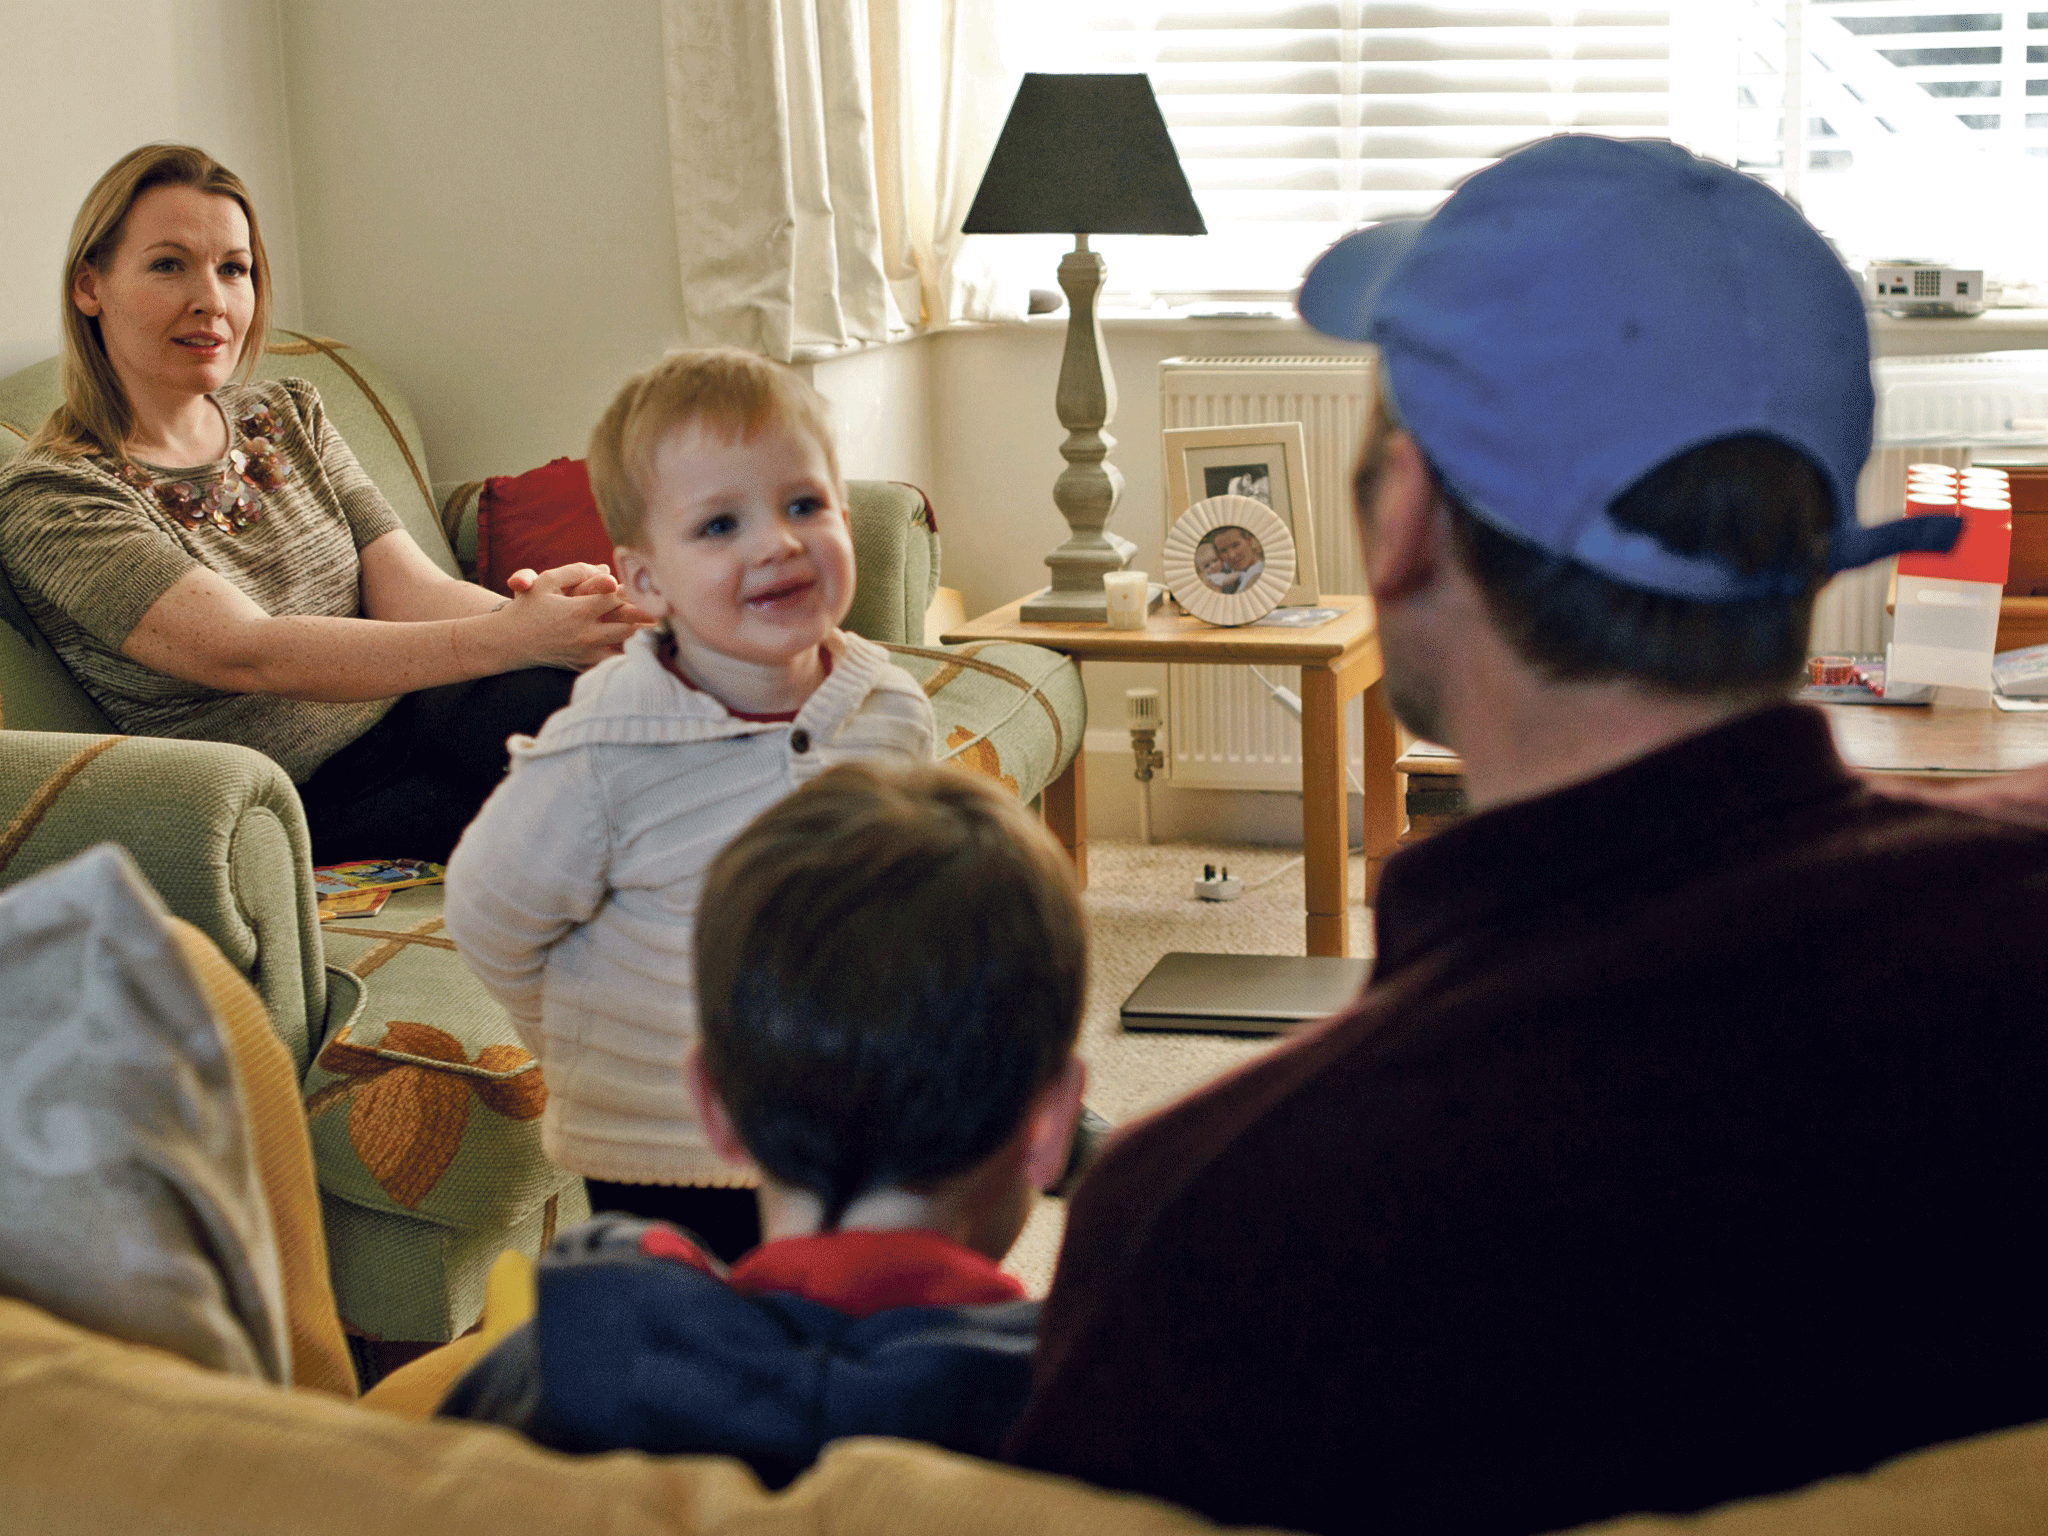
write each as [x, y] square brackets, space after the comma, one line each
[720, 388]
[890, 967]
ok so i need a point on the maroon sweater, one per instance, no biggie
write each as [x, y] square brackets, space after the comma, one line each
[1688, 1143]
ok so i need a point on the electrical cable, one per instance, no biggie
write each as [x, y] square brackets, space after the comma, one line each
[1275, 875]
[1290, 701]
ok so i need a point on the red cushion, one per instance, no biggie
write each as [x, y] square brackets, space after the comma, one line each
[541, 519]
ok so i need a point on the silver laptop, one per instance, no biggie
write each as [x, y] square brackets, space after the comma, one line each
[1242, 994]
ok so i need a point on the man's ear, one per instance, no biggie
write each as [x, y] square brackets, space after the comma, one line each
[638, 582]
[710, 1109]
[85, 290]
[1404, 528]
[1049, 1126]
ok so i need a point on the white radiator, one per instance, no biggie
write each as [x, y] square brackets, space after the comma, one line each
[1223, 729]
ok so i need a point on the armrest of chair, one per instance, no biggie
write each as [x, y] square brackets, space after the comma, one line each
[217, 829]
[896, 560]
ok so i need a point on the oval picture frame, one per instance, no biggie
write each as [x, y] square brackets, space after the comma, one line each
[1194, 593]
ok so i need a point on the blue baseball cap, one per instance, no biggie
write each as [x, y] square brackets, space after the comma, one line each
[1587, 308]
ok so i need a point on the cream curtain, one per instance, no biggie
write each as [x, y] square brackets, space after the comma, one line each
[944, 74]
[822, 158]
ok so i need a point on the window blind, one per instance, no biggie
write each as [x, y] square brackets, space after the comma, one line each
[1937, 70]
[1902, 127]
[1298, 122]
[1919, 127]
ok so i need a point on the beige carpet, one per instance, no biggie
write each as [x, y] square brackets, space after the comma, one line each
[1139, 908]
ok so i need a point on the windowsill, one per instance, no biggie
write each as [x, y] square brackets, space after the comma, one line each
[1994, 330]
[1114, 319]
[1117, 317]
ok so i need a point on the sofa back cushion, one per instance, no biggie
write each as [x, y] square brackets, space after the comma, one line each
[541, 519]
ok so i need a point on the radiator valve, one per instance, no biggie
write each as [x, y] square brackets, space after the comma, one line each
[1143, 715]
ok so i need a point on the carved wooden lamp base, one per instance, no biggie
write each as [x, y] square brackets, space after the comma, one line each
[1084, 152]
[1088, 488]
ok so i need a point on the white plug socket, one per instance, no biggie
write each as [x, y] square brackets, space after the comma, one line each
[1216, 885]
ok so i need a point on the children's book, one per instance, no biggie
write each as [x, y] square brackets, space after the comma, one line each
[347, 890]
[2021, 674]
[1864, 684]
[364, 903]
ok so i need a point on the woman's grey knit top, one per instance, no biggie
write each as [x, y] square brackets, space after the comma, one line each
[89, 554]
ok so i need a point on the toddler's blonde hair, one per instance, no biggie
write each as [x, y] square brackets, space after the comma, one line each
[722, 387]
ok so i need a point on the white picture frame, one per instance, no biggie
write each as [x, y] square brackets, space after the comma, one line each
[1215, 591]
[1267, 461]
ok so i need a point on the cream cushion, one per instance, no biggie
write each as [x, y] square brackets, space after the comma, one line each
[130, 1198]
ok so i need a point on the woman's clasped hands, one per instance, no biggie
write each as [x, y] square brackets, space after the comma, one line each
[569, 616]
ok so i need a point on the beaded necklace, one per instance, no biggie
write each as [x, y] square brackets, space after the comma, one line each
[234, 500]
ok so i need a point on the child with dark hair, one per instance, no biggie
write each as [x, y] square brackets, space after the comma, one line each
[890, 970]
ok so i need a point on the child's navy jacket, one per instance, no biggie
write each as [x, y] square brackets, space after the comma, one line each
[640, 1341]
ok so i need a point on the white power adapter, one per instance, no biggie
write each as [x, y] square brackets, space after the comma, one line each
[1216, 885]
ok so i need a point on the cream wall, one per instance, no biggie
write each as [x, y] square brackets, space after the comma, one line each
[82, 82]
[485, 209]
[881, 413]
[485, 193]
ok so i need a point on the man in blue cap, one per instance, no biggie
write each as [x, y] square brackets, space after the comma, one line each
[1686, 1143]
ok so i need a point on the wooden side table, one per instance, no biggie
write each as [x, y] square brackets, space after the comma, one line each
[1339, 660]
[1432, 787]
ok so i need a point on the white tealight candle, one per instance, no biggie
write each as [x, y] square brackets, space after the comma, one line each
[1123, 593]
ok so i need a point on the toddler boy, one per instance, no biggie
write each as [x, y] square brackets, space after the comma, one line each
[890, 970]
[573, 893]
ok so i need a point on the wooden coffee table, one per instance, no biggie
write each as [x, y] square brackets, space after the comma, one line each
[1339, 660]
[1937, 743]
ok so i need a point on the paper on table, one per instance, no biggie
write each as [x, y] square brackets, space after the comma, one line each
[1296, 618]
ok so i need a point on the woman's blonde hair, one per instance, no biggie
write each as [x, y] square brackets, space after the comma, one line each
[96, 414]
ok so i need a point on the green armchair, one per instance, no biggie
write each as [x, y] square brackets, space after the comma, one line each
[422, 1105]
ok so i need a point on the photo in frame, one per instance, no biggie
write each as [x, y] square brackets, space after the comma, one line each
[1266, 462]
[1229, 560]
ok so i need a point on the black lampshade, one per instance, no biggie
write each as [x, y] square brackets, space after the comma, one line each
[1084, 154]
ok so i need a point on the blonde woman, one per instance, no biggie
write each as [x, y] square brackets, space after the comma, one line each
[210, 561]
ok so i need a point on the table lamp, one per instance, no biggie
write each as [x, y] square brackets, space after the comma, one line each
[1084, 155]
